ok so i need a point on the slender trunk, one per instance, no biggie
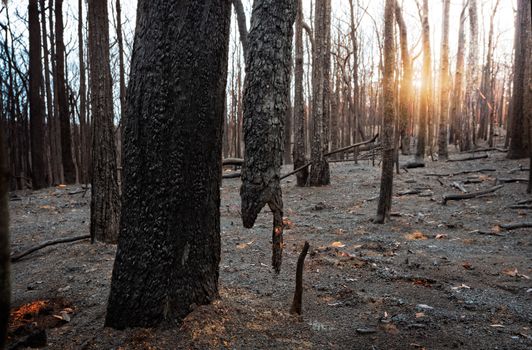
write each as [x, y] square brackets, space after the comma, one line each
[405, 102]
[456, 105]
[69, 169]
[5, 288]
[299, 101]
[385, 197]
[82, 99]
[425, 95]
[105, 207]
[444, 83]
[38, 166]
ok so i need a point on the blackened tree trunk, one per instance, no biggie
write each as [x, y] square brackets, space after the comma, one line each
[405, 103]
[38, 166]
[443, 154]
[299, 102]
[519, 123]
[169, 245]
[319, 171]
[69, 169]
[266, 90]
[5, 293]
[105, 206]
[456, 104]
[425, 96]
[83, 125]
[388, 145]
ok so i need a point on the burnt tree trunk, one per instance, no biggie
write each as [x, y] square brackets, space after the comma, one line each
[456, 103]
[299, 102]
[69, 169]
[5, 293]
[319, 171]
[38, 166]
[83, 125]
[405, 103]
[443, 154]
[169, 245]
[105, 206]
[519, 123]
[425, 98]
[385, 198]
[266, 90]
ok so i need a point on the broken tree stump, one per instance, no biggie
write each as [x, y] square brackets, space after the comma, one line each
[456, 197]
[298, 293]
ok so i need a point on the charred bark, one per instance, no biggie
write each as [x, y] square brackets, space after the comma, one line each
[266, 90]
[169, 244]
[105, 206]
[38, 166]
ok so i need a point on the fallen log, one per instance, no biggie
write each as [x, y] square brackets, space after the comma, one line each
[517, 225]
[456, 197]
[482, 170]
[233, 161]
[231, 175]
[413, 165]
[468, 158]
[18, 256]
[408, 192]
[486, 150]
[298, 293]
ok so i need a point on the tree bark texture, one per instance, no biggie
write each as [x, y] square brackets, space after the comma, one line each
[299, 101]
[105, 205]
[266, 90]
[457, 98]
[444, 83]
[319, 171]
[69, 170]
[5, 293]
[169, 245]
[38, 166]
[83, 125]
[519, 123]
[425, 96]
[405, 103]
[472, 79]
[385, 198]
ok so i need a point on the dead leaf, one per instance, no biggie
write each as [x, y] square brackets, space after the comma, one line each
[420, 314]
[287, 223]
[466, 265]
[462, 286]
[337, 244]
[416, 235]
[61, 186]
[510, 272]
[441, 236]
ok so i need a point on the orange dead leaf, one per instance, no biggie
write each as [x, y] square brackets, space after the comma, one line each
[466, 265]
[420, 314]
[416, 235]
[287, 223]
[337, 244]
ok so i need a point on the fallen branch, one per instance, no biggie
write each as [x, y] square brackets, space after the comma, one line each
[343, 149]
[515, 226]
[347, 148]
[503, 180]
[456, 197]
[519, 168]
[468, 158]
[520, 206]
[298, 294]
[482, 170]
[459, 186]
[408, 192]
[525, 201]
[18, 256]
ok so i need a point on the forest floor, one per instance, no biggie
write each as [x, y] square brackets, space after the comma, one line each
[435, 277]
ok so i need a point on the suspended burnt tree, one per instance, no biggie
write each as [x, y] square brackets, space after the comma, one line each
[266, 90]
